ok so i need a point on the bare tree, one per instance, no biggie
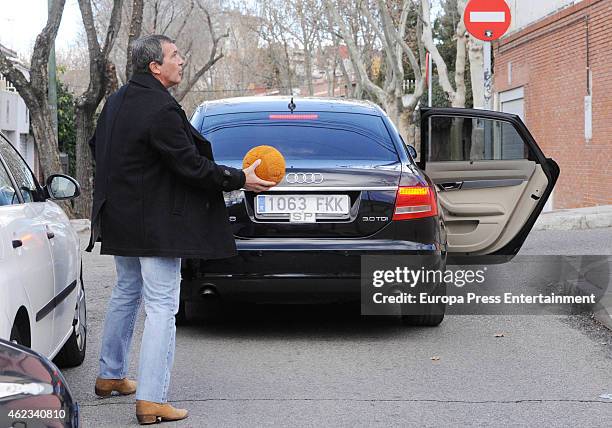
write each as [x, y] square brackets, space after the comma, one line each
[34, 90]
[455, 94]
[390, 95]
[184, 88]
[87, 103]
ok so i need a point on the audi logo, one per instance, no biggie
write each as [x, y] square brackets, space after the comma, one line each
[304, 178]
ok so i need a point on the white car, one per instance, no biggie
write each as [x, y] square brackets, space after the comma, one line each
[42, 298]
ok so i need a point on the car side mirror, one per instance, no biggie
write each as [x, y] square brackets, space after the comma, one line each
[412, 151]
[60, 187]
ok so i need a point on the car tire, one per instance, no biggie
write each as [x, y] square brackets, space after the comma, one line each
[431, 315]
[16, 335]
[72, 353]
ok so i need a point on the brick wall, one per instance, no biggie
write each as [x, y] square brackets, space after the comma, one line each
[549, 59]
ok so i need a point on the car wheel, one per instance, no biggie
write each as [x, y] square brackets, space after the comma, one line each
[72, 353]
[429, 315]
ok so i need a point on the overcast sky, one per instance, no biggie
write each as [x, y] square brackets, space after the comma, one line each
[22, 20]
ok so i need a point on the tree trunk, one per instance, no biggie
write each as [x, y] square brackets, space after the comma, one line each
[308, 67]
[476, 57]
[48, 153]
[288, 68]
[84, 130]
[461, 34]
[134, 33]
[46, 141]
[407, 129]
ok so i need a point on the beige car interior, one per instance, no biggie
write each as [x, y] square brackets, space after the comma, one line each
[486, 202]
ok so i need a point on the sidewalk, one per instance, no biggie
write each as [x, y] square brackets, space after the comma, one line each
[577, 218]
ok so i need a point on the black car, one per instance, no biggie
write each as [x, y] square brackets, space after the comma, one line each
[353, 188]
[33, 392]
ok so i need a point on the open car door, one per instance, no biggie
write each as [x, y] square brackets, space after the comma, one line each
[492, 178]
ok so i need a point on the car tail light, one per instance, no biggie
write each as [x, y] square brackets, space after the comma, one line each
[293, 116]
[415, 202]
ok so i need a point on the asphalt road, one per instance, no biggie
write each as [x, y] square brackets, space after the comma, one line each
[327, 366]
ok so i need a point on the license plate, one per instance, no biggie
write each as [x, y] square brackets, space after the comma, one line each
[302, 208]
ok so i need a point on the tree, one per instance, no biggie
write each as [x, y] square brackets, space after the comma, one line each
[34, 91]
[88, 102]
[184, 88]
[390, 94]
[444, 29]
[65, 125]
[456, 94]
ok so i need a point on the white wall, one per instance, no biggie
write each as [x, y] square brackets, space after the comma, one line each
[8, 110]
[15, 124]
[525, 12]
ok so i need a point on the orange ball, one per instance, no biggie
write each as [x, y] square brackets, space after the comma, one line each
[272, 166]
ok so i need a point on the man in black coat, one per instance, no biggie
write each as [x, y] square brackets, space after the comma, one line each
[157, 197]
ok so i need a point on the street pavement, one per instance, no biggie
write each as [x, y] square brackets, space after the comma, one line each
[325, 365]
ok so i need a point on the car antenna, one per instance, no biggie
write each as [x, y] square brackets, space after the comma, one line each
[291, 105]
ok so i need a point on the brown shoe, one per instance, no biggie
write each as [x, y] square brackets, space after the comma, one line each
[105, 387]
[149, 412]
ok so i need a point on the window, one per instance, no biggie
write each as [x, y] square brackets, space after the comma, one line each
[469, 139]
[20, 170]
[329, 136]
[8, 196]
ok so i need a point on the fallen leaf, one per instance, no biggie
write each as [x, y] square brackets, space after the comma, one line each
[435, 358]
[499, 334]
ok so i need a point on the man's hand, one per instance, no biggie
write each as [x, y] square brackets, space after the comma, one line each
[253, 182]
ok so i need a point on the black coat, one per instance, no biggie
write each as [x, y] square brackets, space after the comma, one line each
[157, 189]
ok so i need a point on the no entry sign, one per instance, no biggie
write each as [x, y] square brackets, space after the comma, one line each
[487, 19]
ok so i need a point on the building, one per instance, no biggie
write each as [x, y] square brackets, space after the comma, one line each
[15, 116]
[556, 73]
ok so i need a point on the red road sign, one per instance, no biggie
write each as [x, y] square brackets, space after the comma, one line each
[487, 19]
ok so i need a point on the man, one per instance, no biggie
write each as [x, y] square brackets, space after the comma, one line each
[157, 198]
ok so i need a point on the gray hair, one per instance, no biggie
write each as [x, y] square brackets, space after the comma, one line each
[147, 49]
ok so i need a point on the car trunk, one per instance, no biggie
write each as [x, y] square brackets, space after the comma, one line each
[341, 179]
[361, 195]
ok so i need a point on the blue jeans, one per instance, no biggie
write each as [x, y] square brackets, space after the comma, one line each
[157, 280]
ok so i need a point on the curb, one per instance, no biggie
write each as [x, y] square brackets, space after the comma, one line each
[576, 219]
[604, 318]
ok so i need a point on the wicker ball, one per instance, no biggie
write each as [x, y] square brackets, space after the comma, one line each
[272, 166]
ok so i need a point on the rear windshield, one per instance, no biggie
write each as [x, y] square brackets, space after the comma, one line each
[320, 136]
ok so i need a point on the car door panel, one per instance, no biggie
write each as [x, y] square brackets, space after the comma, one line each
[64, 246]
[28, 245]
[12, 295]
[491, 196]
[36, 271]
